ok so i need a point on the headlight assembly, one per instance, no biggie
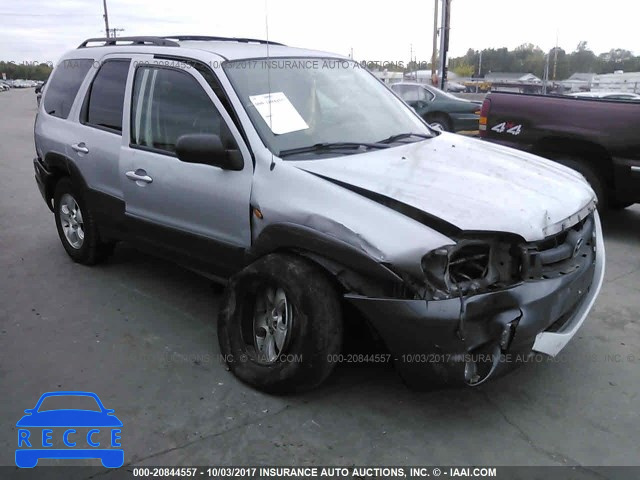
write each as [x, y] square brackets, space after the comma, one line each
[468, 267]
[452, 267]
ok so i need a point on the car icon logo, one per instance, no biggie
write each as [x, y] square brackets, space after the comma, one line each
[71, 433]
[578, 246]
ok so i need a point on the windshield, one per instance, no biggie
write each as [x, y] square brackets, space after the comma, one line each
[317, 101]
[66, 402]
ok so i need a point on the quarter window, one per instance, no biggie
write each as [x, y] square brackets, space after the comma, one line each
[106, 96]
[64, 85]
[170, 103]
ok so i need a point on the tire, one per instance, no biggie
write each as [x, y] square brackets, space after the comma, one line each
[591, 177]
[303, 294]
[619, 205]
[83, 244]
[441, 120]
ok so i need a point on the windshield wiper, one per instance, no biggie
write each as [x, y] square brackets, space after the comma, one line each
[321, 147]
[400, 136]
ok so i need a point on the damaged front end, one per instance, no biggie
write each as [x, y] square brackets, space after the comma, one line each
[488, 301]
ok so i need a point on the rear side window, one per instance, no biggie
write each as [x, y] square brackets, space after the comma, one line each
[64, 84]
[106, 96]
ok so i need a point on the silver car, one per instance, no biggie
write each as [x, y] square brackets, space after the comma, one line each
[315, 193]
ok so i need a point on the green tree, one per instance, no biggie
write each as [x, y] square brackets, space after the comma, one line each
[463, 69]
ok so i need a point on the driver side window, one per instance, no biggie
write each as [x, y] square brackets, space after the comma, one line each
[169, 103]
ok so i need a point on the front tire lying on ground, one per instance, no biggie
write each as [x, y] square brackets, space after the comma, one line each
[280, 323]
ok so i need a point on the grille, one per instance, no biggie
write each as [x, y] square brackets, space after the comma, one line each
[560, 254]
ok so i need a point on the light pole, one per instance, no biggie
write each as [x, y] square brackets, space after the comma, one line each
[434, 55]
[444, 42]
[106, 18]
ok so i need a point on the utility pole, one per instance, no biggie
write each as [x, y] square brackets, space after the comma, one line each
[480, 65]
[545, 75]
[555, 58]
[434, 55]
[444, 42]
[106, 18]
[411, 59]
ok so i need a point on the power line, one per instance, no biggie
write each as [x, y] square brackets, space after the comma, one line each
[11, 14]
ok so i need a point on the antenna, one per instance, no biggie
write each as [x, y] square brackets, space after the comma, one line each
[266, 22]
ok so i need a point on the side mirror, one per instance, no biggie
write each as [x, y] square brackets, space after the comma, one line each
[437, 127]
[207, 149]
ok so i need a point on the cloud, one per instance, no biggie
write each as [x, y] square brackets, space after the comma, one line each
[376, 30]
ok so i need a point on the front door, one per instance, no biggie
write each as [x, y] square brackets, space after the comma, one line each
[195, 210]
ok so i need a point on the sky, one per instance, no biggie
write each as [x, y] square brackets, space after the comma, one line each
[381, 31]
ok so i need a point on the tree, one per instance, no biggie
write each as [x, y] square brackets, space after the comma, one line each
[464, 69]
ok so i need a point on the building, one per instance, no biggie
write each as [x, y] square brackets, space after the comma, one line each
[617, 82]
[578, 82]
[389, 77]
[511, 77]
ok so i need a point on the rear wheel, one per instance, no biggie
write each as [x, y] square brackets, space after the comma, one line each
[591, 176]
[77, 229]
[440, 121]
[280, 323]
[619, 205]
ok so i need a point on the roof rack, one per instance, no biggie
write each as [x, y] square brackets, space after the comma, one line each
[205, 38]
[112, 42]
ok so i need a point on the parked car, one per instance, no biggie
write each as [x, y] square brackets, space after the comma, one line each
[607, 95]
[571, 131]
[38, 90]
[301, 181]
[23, 83]
[455, 87]
[440, 109]
[4, 87]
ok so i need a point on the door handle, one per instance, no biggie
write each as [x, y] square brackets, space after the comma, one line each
[139, 176]
[80, 147]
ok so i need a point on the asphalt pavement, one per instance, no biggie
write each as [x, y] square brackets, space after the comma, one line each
[140, 332]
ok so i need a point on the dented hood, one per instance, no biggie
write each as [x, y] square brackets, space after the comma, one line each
[471, 184]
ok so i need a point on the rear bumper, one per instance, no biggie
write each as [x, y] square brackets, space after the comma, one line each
[465, 121]
[432, 342]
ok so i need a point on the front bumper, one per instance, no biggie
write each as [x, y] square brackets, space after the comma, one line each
[455, 342]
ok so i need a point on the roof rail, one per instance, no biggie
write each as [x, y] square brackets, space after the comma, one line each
[112, 42]
[205, 38]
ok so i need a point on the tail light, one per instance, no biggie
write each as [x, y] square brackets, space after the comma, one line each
[484, 113]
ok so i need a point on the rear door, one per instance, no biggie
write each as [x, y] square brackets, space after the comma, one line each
[416, 96]
[200, 212]
[95, 140]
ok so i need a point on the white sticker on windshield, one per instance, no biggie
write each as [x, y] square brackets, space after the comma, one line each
[278, 112]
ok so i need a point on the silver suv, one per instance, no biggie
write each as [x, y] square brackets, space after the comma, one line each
[311, 189]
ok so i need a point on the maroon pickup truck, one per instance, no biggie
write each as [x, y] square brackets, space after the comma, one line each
[598, 138]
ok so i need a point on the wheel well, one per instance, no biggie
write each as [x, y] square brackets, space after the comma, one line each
[345, 278]
[359, 333]
[438, 114]
[591, 154]
[57, 166]
[60, 166]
